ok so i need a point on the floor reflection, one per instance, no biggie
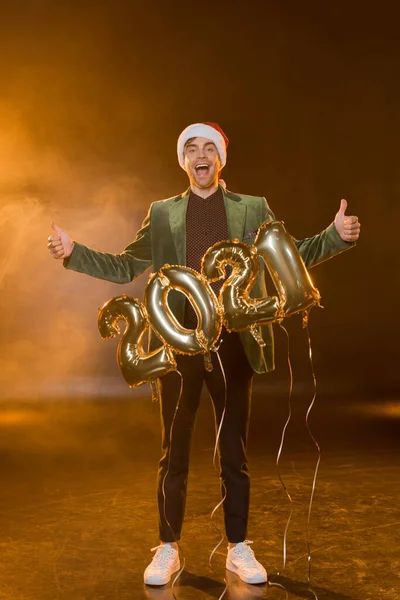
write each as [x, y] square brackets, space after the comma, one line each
[236, 590]
[239, 590]
[190, 585]
[78, 505]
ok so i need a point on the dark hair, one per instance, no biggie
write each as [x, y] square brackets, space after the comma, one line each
[189, 141]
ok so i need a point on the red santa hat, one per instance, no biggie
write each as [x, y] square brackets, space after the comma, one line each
[211, 131]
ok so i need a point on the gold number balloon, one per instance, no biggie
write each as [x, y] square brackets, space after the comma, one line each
[286, 267]
[201, 296]
[273, 244]
[137, 366]
[240, 311]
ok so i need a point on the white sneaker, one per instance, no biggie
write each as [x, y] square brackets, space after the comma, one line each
[241, 560]
[164, 564]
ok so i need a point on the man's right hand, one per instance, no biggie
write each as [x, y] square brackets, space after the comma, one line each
[60, 245]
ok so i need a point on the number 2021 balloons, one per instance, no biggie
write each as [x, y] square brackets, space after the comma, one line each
[235, 308]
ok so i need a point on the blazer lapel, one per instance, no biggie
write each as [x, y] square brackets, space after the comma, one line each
[177, 221]
[235, 214]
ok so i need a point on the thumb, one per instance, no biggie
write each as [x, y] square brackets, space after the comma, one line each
[343, 206]
[56, 228]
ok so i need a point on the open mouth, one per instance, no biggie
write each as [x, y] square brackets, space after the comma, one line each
[202, 168]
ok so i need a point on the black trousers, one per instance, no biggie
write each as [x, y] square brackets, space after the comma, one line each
[233, 437]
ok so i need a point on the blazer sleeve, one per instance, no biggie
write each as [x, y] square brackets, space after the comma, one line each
[315, 250]
[117, 268]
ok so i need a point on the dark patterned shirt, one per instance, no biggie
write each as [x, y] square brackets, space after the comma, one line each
[206, 224]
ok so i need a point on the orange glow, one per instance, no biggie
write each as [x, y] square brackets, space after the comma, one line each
[389, 409]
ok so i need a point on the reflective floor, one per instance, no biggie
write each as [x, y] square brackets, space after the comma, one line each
[78, 513]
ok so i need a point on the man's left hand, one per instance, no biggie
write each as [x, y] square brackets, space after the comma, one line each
[347, 227]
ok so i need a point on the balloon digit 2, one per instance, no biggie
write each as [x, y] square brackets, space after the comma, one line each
[240, 311]
[136, 365]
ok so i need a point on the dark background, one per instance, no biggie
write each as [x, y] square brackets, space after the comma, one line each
[93, 98]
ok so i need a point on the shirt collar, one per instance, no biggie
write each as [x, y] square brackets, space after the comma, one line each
[215, 196]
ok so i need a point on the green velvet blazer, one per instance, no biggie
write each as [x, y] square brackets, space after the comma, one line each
[162, 239]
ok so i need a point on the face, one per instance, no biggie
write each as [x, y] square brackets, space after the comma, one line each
[202, 162]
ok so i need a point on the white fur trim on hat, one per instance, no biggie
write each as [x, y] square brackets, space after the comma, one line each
[205, 131]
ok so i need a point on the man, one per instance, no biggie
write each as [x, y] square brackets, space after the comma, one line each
[178, 231]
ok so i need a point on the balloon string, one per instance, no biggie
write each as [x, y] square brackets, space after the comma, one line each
[316, 466]
[270, 583]
[163, 488]
[217, 468]
[278, 585]
[281, 446]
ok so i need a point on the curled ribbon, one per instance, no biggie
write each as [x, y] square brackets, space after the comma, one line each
[163, 489]
[217, 468]
[317, 463]
[305, 326]
[281, 447]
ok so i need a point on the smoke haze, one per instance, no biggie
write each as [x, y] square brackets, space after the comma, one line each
[92, 99]
[48, 336]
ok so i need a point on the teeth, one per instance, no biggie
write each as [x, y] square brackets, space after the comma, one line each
[200, 166]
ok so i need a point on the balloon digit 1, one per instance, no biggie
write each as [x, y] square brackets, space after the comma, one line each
[203, 300]
[240, 311]
[286, 267]
[136, 365]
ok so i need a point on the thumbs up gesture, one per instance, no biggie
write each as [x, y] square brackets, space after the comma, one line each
[347, 227]
[60, 245]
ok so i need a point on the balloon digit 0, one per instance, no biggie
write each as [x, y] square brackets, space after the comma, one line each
[203, 300]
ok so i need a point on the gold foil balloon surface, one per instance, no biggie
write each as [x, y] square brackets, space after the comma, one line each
[201, 296]
[286, 267]
[236, 308]
[240, 311]
[137, 366]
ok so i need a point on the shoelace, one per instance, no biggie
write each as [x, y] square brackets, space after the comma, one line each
[246, 553]
[163, 554]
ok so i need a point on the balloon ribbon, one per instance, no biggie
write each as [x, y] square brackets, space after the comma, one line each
[163, 488]
[217, 467]
[305, 325]
[281, 447]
